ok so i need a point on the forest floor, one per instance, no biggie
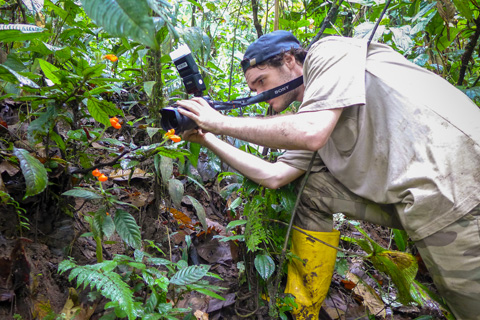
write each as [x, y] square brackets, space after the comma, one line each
[38, 288]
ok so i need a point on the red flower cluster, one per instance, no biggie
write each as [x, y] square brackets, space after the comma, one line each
[100, 176]
[114, 122]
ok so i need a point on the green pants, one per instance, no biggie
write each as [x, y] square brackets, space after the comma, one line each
[452, 255]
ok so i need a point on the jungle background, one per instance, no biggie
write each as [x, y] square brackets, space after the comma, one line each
[104, 215]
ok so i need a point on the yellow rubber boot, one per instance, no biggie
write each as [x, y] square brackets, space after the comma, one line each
[309, 281]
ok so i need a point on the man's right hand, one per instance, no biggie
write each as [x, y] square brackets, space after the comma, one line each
[195, 135]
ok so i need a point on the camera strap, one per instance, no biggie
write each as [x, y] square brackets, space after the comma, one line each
[264, 96]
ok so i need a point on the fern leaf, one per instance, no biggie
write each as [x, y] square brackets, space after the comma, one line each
[108, 283]
[254, 229]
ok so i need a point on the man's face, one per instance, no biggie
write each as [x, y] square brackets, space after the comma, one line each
[266, 78]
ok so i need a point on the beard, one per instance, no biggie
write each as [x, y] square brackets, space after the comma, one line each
[285, 100]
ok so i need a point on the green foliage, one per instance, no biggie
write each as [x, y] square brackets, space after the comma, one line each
[116, 280]
[23, 222]
[123, 18]
[255, 232]
[189, 275]
[33, 170]
[102, 278]
[58, 74]
[127, 228]
[264, 265]
[401, 267]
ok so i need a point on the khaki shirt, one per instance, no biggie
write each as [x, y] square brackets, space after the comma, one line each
[405, 137]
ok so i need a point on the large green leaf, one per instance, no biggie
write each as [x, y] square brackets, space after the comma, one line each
[123, 18]
[18, 35]
[202, 216]
[176, 190]
[108, 226]
[464, 8]
[401, 267]
[25, 28]
[35, 174]
[82, 193]
[11, 75]
[100, 110]
[48, 70]
[106, 281]
[166, 168]
[128, 228]
[264, 265]
[189, 275]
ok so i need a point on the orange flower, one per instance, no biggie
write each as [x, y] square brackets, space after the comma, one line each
[110, 57]
[107, 213]
[114, 123]
[96, 173]
[172, 136]
[175, 138]
[103, 178]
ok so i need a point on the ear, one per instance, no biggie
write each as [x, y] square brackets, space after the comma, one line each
[289, 60]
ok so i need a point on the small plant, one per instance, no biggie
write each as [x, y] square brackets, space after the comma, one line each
[143, 287]
[23, 222]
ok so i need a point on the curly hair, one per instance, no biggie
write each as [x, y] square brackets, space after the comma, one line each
[277, 61]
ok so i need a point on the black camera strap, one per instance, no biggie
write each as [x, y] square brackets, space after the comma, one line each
[264, 96]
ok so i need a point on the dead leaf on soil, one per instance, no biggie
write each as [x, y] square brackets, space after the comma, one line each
[72, 310]
[181, 217]
[370, 298]
[200, 315]
[124, 175]
[214, 251]
[6, 166]
[215, 304]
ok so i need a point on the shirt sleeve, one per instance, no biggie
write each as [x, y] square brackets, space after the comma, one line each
[334, 74]
[300, 159]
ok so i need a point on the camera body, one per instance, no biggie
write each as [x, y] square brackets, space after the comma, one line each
[172, 119]
[194, 84]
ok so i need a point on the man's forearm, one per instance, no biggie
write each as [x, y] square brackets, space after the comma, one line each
[305, 131]
[270, 175]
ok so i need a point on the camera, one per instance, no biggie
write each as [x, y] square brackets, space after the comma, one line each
[194, 84]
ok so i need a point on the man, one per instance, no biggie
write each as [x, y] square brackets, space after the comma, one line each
[397, 146]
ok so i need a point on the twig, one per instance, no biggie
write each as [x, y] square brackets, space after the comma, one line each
[318, 240]
[169, 243]
[104, 164]
[22, 10]
[378, 22]
[331, 14]
[287, 236]
[245, 297]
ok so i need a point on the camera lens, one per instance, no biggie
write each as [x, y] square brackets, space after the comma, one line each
[172, 119]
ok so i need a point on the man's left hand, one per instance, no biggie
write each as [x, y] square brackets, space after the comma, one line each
[202, 113]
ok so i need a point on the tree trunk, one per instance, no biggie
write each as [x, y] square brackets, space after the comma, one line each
[468, 52]
[256, 23]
